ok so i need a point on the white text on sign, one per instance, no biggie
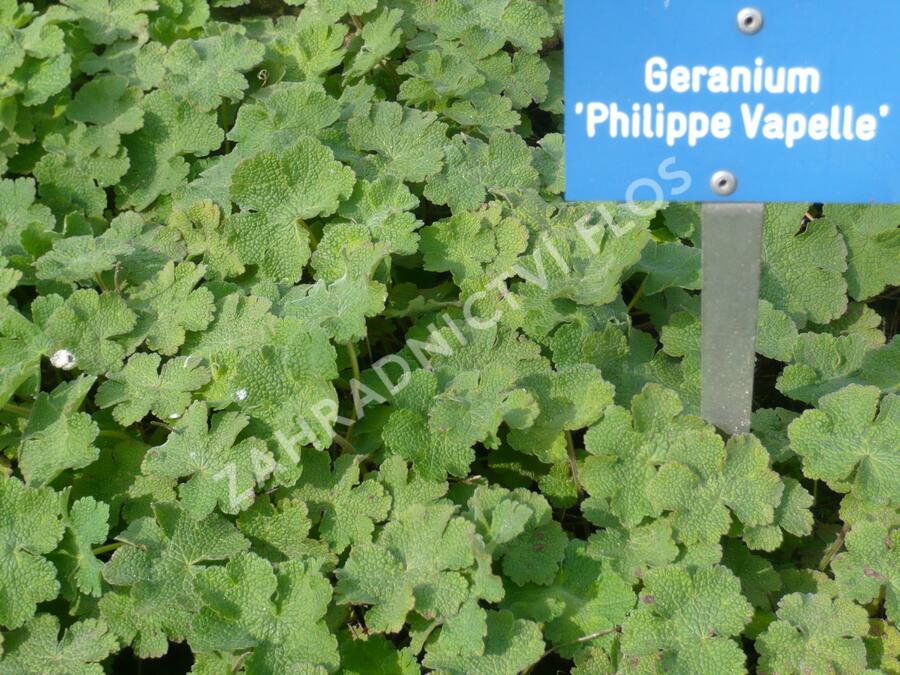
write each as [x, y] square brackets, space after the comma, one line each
[656, 121]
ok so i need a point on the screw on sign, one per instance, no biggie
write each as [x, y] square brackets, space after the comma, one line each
[751, 114]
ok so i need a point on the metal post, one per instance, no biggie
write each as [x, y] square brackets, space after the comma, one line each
[731, 244]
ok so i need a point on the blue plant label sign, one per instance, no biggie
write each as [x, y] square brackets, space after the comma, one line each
[798, 100]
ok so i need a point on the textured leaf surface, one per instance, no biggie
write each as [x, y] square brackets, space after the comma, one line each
[803, 267]
[31, 528]
[815, 633]
[307, 367]
[850, 441]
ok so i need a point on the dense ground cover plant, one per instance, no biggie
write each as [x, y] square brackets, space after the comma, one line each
[305, 367]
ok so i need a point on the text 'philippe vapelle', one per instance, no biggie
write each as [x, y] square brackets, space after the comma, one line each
[655, 121]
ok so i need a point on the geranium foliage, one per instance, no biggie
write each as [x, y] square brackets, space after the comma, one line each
[306, 367]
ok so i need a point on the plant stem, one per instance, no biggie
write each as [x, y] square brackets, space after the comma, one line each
[109, 433]
[637, 296]
[588, 638]
[354, 362]
[313, 240]
[345, 445]
[106, 548]
[429, 306]
[503, 195]
[573, 460]
[17, 409]
[354, 367]
[239, 663]
[832, 550]
[875, 605]
[581, 640]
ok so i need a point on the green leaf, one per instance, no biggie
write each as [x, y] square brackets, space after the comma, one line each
[45, 78]
[140, 63]
[824, 364]
[77, 168]
[628, 448]
[759, 580]
[240, 327]
[87, 325]
[346, 250]
[439, 416]
[484, 112]
[630, 553]
[803, 268]
[575, 263]
[792, 515]
[208, 70]
[872, 234]
[489, 25]
[586, 597]
[523, 79]
[172, 130]
[274, 191]
[519, 530]
[770, 426]
[338, 8]
[87, 525]
[246, 604]
[380, 36]
[31, 527]
[473, 168]
[178, 18]
[38, 648]
[340, 308]
[81, 257]
[287, 382]
[688, 621]
[277, 115]
[569, 399]
[346, 507]
[153, 573]
[173, 306]
[403, 142]
[58, 437]
[417, 563]
[384, 206]
[219, 470]
[776, 336]
[850, 442]
[473, 246]
[670, 265]
[870, 566]
[108, 102]
[21, 347]
[375, 655]
[201, 228]
[280, 530]
[814, 633]
[550, 163]
[306, 50]
[105, 21]
[18, 211]
[511, 645]
[437, 78]
[140, 387]
[702, 486]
